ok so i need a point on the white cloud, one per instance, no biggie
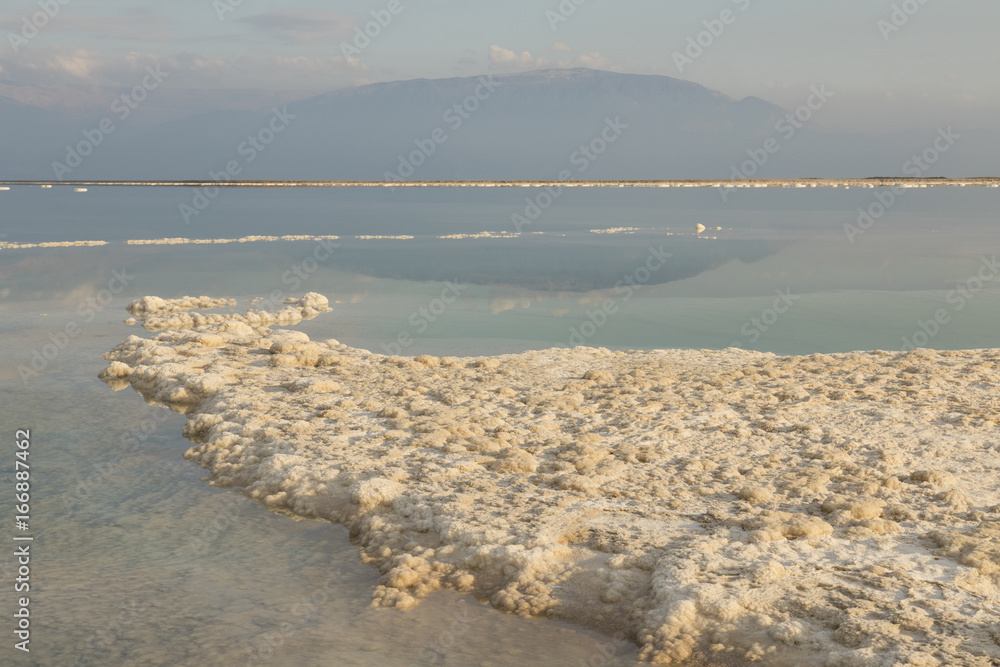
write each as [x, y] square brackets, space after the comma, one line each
[502, 58]
[561, 47]
[593, 60]
[54, 65]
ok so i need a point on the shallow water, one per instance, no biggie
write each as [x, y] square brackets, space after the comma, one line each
[139, 562]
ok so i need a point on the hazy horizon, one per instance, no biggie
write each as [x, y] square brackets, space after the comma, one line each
[893, 65]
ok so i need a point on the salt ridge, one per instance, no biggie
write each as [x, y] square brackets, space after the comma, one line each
[830, 509]
[156, 314]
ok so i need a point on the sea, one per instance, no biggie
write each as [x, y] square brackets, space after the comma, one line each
[136, 560]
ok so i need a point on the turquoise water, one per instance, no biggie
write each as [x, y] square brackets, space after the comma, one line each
[137, 561]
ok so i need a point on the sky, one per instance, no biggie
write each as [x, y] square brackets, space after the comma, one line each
[892, 64]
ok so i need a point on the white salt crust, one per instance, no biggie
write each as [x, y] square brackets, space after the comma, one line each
[728, 505]
[156, 314]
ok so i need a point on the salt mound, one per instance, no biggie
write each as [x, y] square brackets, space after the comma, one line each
[828, 509]
[156, 314]
[154, 305]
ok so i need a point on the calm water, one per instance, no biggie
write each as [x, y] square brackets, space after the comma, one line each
[137, 561]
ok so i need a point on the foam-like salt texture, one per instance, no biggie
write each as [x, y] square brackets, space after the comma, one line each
[242, 239]
[376, 237]
[482, 235]
[156, 314]
[828, 509]
[617, 230]
[4, 245]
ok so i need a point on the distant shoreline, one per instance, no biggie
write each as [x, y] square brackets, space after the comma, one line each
[877, 182]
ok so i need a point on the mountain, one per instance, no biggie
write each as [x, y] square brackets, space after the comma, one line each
[576, 123]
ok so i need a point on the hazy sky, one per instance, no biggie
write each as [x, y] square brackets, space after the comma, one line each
[940, 66]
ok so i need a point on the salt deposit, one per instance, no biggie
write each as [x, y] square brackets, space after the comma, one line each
[242, 239]
[156, 314]
[384, 238]
[166, 241]
[617, 230]
[827, 509]
[482, 235]
[4, 245]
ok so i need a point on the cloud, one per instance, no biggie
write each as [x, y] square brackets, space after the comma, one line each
[302, 26]
[571, 58]
[501, 58]
[259, 69]
[507, 60]
[54, 65]
[593, 60]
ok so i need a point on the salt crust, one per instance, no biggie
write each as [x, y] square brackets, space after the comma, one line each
[4, 245]
[242, 239]
[168, 241]
[156, 314]
[827, 509]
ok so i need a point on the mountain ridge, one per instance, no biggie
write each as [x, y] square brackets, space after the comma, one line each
[529, 125]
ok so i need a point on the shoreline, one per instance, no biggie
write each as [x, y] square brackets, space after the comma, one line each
[762, 506]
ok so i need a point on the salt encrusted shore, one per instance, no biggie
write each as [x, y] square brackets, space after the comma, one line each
[730, 505]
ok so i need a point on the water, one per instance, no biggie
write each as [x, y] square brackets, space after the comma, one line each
[137, 561]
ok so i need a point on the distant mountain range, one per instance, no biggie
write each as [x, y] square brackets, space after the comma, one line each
[547, 124]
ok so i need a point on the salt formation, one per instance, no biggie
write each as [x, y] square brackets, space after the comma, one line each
[739, 506]
[242, 239]
[370, 237]
[154, 305]
[617, 230]
[156, 314]
[4, 245]
[482, 235]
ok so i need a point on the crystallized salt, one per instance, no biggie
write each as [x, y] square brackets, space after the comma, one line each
[832, 509]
